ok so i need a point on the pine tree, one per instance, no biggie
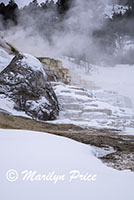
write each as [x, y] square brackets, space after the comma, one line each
[10, 11]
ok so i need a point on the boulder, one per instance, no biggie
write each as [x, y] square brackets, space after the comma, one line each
[25, 82]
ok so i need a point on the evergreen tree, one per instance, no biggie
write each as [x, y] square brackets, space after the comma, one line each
[64, 5]
[2, 8]
[9, 12]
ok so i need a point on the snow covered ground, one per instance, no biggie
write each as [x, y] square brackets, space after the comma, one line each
[44, 153]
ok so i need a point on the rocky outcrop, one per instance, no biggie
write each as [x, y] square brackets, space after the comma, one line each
[25, 82]
[55, 70]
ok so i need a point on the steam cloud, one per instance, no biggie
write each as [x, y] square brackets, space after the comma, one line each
[72, 36]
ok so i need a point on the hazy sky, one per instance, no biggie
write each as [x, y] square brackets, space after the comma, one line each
[21, 2]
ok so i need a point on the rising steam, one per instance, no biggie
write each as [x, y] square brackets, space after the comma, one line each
[71, 36]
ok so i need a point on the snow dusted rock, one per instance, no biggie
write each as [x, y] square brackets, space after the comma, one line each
[25, 82]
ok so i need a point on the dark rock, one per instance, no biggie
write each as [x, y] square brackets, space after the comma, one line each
[25, 82]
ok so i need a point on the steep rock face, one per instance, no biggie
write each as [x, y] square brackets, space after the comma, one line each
[55, 70]
[25, 82]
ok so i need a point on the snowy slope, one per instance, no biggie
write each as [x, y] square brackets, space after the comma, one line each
[5, 59]
[25, 150]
